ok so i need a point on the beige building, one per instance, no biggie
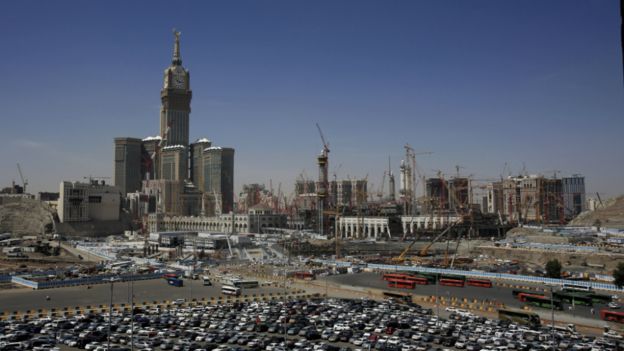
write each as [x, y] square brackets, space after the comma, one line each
[81, 202]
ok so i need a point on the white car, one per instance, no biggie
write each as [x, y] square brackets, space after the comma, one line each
[614, 305]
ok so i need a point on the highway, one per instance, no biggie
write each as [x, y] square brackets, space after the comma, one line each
[145, 290]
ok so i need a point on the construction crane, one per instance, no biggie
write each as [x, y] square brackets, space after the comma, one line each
[460, 210]
[322, 189]
[410, 191]
[24, 181]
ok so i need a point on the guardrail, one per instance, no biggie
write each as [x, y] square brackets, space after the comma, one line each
[487, 275]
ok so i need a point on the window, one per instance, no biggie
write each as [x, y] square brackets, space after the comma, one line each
[95, 199]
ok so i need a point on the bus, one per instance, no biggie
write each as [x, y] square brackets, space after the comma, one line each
[401, 284]
[612, 316]
[599, 298]
[452, 282]
[431, 277]
[517, 292]
[574, 299]
[576, 287]
[544, 302]
[453, 276]
[247, 284]
[230, 290]
[522, 296]
[481, 283]
[520, 317]
[418, 280]
[175, 282]
[304, 275]
[389, 276]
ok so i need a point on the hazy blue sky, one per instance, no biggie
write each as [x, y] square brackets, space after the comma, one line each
[479, 83]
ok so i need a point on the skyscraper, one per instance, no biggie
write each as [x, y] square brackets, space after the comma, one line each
[127, 175]
[219, 176]
[180, 176]
[175, 97]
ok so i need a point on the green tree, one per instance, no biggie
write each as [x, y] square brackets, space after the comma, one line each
[553, 268]
[618, 275]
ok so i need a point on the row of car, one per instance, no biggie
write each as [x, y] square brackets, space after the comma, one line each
[313, 324]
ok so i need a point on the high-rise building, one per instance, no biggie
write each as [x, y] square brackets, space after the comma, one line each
[176, 176]
[173, 162]
[573, 195]
[197, 162]
[218, 165]
[127, 175]
[176, 101]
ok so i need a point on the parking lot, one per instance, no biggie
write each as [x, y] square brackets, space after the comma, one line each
[145, 290]
[314, 324]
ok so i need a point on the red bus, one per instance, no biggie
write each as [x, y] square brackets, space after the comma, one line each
[170, 275]
[401, 284]
[415, 280]
[418, 280]
[452, 282]
[522, 296]
[388, 276]
[304, 275]
[612, 316]
[482, 283]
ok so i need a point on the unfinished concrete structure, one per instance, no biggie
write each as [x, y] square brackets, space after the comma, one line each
[81, 202]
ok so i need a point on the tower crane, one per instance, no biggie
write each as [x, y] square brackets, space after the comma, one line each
[322, 189]
[24, 181]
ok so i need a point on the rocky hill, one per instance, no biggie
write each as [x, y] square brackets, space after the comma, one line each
[611, 215]
[26, 217]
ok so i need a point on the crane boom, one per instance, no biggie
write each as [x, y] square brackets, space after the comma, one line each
[325, 144]
[24, 182]
[425, 249]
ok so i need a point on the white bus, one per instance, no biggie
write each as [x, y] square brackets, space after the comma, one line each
[230, 290]
[247, 284]
[577, 287]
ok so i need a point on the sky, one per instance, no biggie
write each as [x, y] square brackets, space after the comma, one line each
[492, 86]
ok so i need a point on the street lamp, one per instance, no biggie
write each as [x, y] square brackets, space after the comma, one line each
[438, 295]
[552, 316]
[110, 309]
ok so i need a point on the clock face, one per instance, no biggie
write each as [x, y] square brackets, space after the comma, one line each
[178, 82]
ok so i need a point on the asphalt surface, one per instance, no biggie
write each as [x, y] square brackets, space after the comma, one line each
[145, 290]
[496, 294]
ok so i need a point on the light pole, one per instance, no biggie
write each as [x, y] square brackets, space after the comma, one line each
[110, 311]
[438, 296]
[132, 315]
[552, 316]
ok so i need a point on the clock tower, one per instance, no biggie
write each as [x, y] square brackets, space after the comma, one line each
[176, 101]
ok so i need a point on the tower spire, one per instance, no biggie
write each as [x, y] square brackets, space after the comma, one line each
[177, 59]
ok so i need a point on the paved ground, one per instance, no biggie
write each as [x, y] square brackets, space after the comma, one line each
[146, 290]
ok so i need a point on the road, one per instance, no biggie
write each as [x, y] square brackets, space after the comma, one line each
[145, 290]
